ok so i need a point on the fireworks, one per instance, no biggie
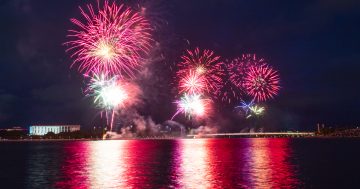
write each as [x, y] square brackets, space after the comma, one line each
[229, 92]
[112, 93]
[206, 65]
[192, 83]
[250, 109]
[253, 77]
[262, 82]
[111, 39]
[239, 67]
[200, 74]
[109, 45]
[193, 105]
[256, 110]
[109, 93]
[246, 106]
[233, 88]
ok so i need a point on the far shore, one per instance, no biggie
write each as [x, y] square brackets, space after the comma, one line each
[160, 138]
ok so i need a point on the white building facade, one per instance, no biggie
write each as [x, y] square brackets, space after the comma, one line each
[44, 129]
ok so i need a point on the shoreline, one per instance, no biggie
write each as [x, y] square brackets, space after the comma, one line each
[168, 138]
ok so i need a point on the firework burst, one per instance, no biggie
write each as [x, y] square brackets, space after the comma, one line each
[109, 93]
[205, 64]
[112, 38]
[256, 111]
[192, 83]
[250, 109]
[192, 105]
[262, 82]
[239, 67]
[245, 107]
[112, 94]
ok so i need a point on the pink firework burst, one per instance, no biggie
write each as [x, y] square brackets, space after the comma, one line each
[262, 82]
[239, 67]
[206, 65]
[192, 83]
[111, 38]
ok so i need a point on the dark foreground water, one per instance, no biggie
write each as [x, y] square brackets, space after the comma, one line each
[188, 163]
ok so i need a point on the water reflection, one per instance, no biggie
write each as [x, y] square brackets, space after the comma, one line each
[190, 163]
[266, 164]
[119, 164]
[43, 165]
[107, 165]
[74, 169]
[226, 161]
[150, 163]
[194, 164]
[94, 164]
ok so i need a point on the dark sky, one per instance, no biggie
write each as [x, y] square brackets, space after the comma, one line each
[313, 44]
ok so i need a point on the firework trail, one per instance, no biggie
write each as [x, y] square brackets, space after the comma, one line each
[111, 38]
[229, 92]
[262, 82]
[192, 105]
[205, 64]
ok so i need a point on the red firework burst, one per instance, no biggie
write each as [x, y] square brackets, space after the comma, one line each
[239, 67]
[206, 65]
[111, 39]
[192, 83]
[235, 89]
[262, 82]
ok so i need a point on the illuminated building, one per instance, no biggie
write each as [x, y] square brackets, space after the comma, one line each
[44, 129]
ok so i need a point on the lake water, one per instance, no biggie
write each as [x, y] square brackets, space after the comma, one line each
[185, 163]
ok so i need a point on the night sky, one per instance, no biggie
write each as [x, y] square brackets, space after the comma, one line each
[313, 44]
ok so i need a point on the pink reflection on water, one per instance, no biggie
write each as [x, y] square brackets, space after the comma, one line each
[194, 166]
[187, 163]
[120, 164]
[236, 163]
[266, 164]
[106, 164]
[94, 164]
[146, 167]
[73, 168]
[225, 160]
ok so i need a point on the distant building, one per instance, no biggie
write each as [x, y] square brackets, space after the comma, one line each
[44, 129]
